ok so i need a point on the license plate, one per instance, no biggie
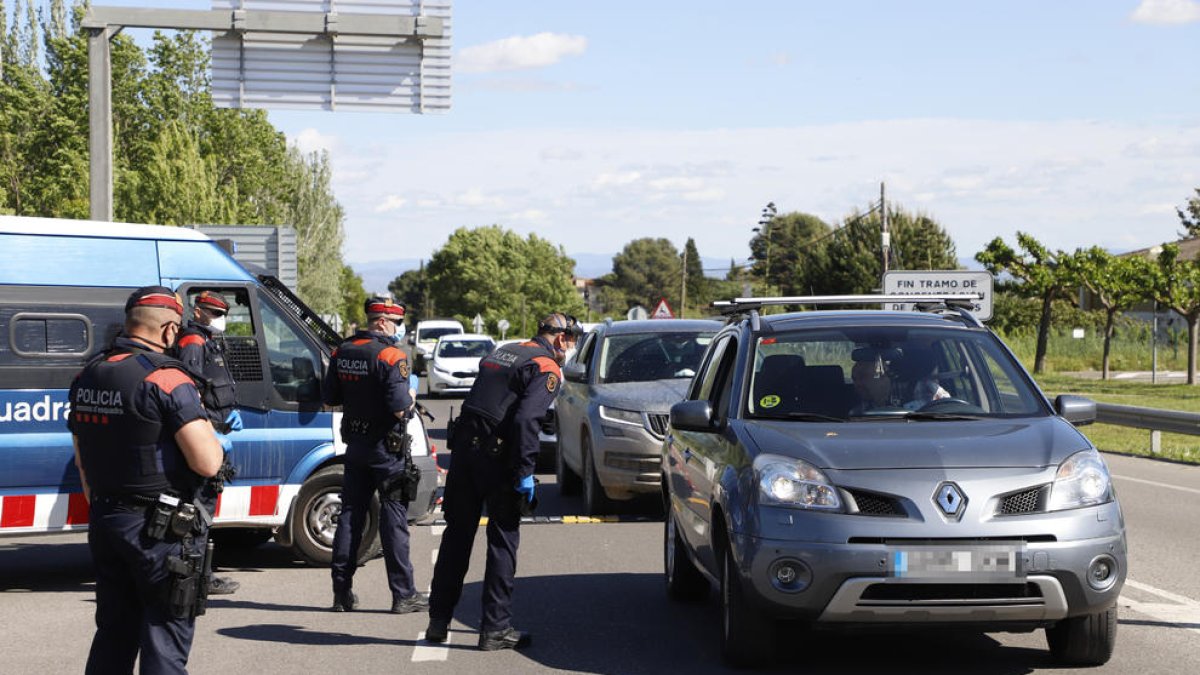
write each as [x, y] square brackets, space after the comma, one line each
[958, 562]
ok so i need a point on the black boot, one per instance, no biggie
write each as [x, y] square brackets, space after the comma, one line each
[344, 601]
[438, 630]
[509, 638]
[417, 602]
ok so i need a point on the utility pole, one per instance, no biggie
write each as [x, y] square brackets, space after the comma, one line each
[683, 287]
[885, 235]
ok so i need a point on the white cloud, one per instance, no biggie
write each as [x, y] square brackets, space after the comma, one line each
[528, 216]
[390, 203]
[311, 140]
[475, 198]
[605, 180]
[520, 52]
[706, 195]
[560, 154]
[1167, 11]
[676, 184]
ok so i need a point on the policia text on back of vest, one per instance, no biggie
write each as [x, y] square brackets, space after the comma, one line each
[63, 285]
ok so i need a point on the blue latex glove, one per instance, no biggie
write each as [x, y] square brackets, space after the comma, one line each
[525, 487]
[234, 420]
[226, 442]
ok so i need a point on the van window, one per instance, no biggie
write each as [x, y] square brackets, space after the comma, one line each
[294, 364]
[35, 334]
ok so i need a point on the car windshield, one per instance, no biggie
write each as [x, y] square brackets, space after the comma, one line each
[457, 349]
[639, 357]
[876, 372]
[430, 334]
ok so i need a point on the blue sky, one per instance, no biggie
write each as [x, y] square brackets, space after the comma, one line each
[592, 124]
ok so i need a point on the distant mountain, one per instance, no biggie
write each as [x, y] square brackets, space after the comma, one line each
[377, 275]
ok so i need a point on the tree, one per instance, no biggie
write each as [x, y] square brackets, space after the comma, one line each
[493, 272]
[697, 283]
[1117, 283]
[1176, 285]
[646, 271]
[410, 289]
[786, 252]
[1040, 273]
[354, 296]
[1191, 217]
[318, 219]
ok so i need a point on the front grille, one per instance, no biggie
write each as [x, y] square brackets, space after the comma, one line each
[1027, 501]
[658, 423]
[950, 592]
[871, 504]
[243, 358]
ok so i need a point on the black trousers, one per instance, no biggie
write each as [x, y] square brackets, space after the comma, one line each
[132, 618]
[476, 480]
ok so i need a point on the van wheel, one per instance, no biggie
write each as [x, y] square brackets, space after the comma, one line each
[568, 480]
[684, 581]
[315, 517]
[595, 502]
[1084, 640]
[747, 637]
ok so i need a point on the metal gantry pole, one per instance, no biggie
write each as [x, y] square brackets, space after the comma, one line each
[100, 142]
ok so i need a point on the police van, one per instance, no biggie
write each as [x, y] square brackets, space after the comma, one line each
[63, 286]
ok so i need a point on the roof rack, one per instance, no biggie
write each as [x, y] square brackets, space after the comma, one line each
[959, 302]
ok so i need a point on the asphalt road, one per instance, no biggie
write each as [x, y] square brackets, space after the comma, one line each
[592, 594]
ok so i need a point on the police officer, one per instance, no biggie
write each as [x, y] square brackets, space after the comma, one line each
[368, 376]
[202, 351]
[143, 445]
[494, 447]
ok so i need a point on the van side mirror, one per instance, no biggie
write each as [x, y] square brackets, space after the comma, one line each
[574, 372]
[692, 416]
[1077, 410]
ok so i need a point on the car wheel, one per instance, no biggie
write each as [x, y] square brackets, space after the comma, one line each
[747, 637]
[684, 581]
[568, 480]
[315, 517]
[595, 502]
[1084, 640]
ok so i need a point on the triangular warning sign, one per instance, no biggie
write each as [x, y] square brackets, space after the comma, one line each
[662, 310]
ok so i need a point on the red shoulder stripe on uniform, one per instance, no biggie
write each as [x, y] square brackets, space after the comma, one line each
[392, 356]
[191, 339]
[529, 343]
[118, 357]
[168, 378]
[546, 364]
[334, 354]
[360, 341]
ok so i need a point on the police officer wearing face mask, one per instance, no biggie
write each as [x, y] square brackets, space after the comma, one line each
[143, 445]
[368, 376]
[494, 447]
[201, 348]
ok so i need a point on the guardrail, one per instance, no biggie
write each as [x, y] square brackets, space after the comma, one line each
[1157, 421]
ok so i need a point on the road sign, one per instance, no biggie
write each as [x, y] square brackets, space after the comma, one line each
[477, 323]
[637, 313]
[503, 325]
[662, 310]
[933, 282]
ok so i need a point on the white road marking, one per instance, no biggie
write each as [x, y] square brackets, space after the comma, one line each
[429, 651]
[1181, 610]
[1158, 484]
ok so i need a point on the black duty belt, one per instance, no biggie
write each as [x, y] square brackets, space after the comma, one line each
[129, 500]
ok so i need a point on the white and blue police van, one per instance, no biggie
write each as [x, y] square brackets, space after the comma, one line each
[63, 286]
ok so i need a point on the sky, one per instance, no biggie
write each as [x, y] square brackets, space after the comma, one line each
[592, 124]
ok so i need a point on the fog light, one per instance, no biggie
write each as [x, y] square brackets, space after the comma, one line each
[1102, 573]
[789, 575]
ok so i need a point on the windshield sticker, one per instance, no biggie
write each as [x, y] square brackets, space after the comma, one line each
[769, 401]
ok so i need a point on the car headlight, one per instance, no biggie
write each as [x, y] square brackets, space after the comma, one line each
[793, 482]
[619, 415]
[1082, 480]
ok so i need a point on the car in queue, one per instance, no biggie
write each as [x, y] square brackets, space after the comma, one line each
[424, 337]
[454, 362]
[859, 468]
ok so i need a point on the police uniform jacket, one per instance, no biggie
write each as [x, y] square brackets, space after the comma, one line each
[514, 389]
[204, 358]
[368, 377]
[126, 406]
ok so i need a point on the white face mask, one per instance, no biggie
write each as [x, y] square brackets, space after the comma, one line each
[217, 324]
[400, 331]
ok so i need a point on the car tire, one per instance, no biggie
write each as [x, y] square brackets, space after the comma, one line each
[684, 581]
[747, 637]
[595, 502]
[314, 519]
[1084, 640]
[568, 480]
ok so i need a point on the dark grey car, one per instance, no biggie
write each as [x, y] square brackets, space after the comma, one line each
[867, 468]
[612, 410]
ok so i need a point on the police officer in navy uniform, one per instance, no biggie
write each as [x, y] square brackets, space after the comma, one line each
[143, 445]
[494, 448]
[201, 348]
[368, 376]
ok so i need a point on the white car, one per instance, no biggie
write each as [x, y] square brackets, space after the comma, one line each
[424, 338]
[454, 362]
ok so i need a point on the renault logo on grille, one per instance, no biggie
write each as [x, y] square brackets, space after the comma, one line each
[950, 500]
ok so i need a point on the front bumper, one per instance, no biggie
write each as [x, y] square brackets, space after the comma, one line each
[447, 384]
[628, 460]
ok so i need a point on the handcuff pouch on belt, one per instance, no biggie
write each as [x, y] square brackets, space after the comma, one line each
[170, 516]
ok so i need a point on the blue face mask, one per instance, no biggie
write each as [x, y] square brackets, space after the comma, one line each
[400, 331]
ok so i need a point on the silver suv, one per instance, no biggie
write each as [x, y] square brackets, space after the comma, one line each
[858, 468]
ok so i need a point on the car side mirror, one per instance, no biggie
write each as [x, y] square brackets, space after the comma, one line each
[692, 416]
[574, 372]
[1077, 410]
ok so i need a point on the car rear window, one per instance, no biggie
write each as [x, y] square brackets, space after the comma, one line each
[641, 357]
